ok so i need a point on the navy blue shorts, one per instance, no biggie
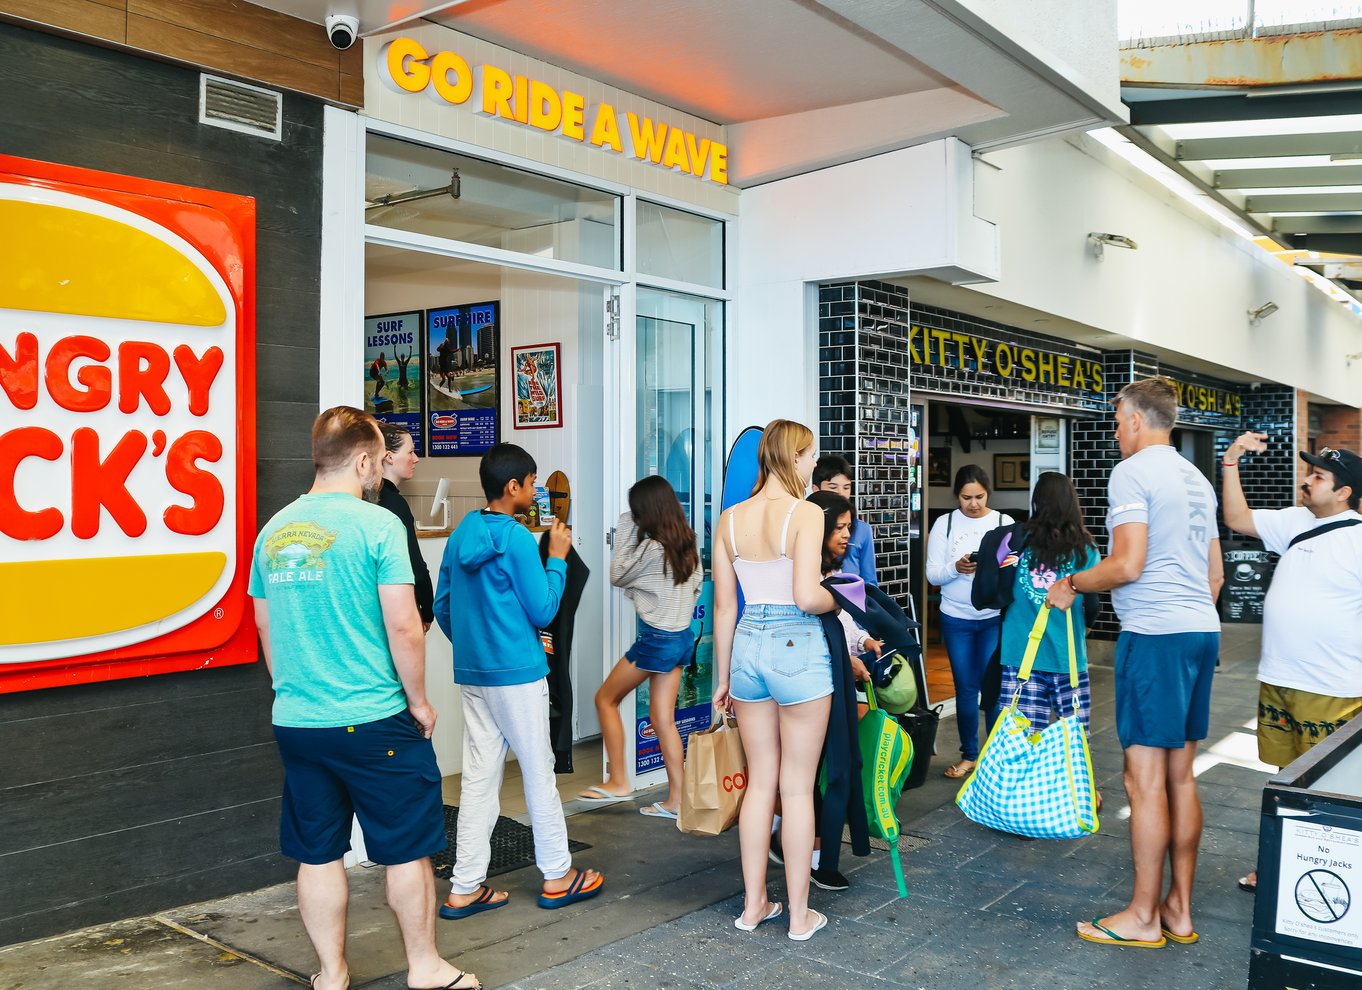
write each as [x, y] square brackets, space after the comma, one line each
[382, 772]
[658, 651]
[1163, 687]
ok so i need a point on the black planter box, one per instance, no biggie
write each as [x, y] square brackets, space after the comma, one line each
[1307, 923]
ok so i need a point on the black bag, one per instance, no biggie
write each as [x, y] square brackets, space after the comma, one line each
[920, 723]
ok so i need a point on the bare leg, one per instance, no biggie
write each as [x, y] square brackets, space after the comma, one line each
[1184, 808]
[411, 895]
[323, 898]
[759, 726]
[662, 690]
[1146, 779]
[802, 728]
[617, 686]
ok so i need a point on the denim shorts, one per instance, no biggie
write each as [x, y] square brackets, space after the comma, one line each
[780, 655]
[1163, 687]
[657, 651]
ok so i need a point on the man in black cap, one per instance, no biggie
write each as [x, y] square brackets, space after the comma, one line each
[1310, 671]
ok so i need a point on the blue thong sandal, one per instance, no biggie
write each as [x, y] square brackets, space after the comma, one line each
[578, 890]
[483, 902]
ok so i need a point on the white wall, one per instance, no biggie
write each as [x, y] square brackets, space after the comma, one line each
[1188, 286]
[910, 211]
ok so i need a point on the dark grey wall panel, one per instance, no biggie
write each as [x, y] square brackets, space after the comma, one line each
[134, 796]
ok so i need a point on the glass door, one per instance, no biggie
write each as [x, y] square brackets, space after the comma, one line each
[678, 408]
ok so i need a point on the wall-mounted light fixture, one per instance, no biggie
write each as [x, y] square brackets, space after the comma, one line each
[1259, 313]
[1099, 242]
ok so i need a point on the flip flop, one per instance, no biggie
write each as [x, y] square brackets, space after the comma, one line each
[1111, 938]
[451, 984]
[956, 771]
[602, 796]
[1246, 887]
[483, 902]
[742, 926]
[578, 890]
[1181, 939]
[822, 923]
[655, 810]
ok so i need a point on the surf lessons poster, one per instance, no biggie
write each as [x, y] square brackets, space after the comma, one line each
[462, 348]
[392, 371]
[694, 697]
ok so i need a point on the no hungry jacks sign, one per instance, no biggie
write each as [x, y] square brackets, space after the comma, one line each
[127, 430]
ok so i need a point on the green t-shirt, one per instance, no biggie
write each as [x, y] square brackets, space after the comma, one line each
[1027, 597]
[318, 564]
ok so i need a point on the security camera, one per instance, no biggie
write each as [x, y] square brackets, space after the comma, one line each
[342, 29]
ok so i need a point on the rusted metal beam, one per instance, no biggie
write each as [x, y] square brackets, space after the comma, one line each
[1270, 146]
[1280, 60]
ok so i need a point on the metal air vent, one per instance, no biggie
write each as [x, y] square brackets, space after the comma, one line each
[238, 106]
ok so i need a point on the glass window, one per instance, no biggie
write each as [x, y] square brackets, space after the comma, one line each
[681, 246]
[426, 190]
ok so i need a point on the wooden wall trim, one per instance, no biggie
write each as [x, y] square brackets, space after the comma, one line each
[230, 37]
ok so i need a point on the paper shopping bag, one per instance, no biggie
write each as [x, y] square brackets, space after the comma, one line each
[714, 780]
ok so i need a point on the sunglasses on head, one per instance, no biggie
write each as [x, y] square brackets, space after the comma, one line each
[1329, 454]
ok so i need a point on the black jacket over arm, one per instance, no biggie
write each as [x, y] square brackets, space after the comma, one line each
[391, 499]
[843, 802]
[560, 632]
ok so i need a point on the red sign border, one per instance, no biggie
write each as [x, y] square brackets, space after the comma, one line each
[160, 655]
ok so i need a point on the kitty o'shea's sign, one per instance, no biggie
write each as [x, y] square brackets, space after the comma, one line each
[127, 450]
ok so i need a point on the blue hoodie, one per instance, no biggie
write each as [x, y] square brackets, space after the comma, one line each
[493, 597]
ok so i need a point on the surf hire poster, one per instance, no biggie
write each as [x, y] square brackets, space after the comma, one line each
[392, 371]
[462, 348]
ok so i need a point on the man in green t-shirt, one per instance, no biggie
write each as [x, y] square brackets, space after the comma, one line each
[343, 642]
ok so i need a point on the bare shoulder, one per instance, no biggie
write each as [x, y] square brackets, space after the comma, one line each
[808, 514]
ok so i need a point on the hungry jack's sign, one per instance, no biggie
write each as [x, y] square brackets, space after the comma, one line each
[127, 466]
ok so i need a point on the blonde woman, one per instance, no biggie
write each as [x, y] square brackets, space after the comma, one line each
[774, 667]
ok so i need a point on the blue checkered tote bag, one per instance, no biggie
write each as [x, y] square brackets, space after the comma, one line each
[1036, 784]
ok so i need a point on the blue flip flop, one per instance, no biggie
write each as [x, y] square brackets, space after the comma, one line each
[578, 890]
[483, 903]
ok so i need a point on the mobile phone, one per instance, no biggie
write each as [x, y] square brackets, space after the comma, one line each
[969, 557]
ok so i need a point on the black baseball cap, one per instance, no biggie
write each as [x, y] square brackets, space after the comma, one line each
[1345, 465]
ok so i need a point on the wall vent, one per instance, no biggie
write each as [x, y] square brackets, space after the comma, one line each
[238, 106]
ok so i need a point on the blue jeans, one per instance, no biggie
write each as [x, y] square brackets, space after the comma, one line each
[970, 645]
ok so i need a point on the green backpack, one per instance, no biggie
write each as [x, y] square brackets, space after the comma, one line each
[886, 758]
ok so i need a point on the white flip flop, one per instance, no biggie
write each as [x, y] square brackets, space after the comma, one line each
[773, 913]
[655, 810]
[605, 797]
[822, 923]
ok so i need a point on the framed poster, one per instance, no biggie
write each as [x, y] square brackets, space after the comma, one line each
[392, 386]
[462, 378]
[1011, 472]
[538, 387]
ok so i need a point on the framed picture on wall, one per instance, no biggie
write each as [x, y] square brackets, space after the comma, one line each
[393, 393]
[939, 467]
[463, 375]
[537, 372]
[1011, 472]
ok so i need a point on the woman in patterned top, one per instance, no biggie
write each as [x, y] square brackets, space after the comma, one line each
[657, 565]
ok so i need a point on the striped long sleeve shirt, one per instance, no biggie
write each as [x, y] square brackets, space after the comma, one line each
[639, 569]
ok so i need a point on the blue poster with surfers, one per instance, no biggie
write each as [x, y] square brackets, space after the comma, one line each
[462, 360]
[392, 371]
[694, 699]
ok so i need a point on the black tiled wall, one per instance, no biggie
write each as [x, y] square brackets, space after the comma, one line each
[864, 409]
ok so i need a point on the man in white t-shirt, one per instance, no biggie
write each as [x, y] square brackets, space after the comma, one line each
[1164, 572]
[1310, 671]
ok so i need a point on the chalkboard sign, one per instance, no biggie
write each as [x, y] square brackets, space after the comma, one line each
[1248, 572]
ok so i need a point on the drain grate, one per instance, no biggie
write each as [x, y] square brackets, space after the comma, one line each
[908, 841]
[512, 845]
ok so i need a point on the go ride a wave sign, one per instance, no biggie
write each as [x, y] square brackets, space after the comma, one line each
[127, 461]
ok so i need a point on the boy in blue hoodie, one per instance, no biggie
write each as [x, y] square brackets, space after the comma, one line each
[492, 599]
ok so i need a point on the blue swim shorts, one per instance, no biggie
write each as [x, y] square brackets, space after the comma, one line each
[779, 654]
[657, 651]
[382, 772]
[1163, 687]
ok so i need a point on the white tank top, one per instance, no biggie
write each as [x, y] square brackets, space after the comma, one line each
[765, 582]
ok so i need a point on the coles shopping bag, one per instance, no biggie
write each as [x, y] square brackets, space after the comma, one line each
[1036, 784]
[714, 779]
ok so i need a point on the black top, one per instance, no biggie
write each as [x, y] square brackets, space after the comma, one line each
[391, 499]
